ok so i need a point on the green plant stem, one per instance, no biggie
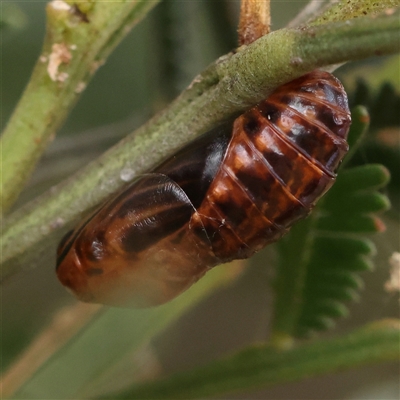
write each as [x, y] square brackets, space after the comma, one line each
[85, 43]
[350, 9]
[231, 84]
[261, 366]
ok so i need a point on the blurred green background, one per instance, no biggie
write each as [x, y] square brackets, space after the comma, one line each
[153, 64]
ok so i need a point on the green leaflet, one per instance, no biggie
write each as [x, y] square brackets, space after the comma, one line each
[382, 145]
[320, 258]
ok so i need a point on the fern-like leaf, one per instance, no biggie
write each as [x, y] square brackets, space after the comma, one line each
[339, 251]
[320, 260]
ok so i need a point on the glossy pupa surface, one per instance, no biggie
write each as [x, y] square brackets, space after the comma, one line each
[223, 197]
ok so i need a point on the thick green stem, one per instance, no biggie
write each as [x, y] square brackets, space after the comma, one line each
[349, 9]
[77, 42]
[261, 366]
[226, 87]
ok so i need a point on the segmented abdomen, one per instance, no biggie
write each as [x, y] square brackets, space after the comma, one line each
[223, 197]
[280, 161]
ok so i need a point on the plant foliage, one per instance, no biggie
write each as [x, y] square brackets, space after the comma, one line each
[382, 145]
[320, 260]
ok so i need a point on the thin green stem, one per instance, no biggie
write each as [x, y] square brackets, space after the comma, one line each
[294, 251]
[64, 370]
[228, 86]
[262, 366]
